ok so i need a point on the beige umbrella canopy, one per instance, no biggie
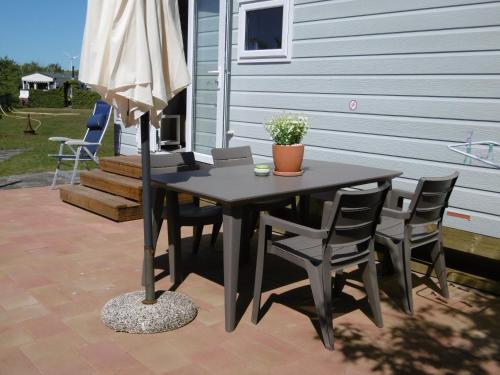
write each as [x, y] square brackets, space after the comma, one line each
[133, 55]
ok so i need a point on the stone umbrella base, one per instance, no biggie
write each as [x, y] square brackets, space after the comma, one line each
[127, 313]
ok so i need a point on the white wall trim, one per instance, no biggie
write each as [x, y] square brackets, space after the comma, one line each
[188, 127]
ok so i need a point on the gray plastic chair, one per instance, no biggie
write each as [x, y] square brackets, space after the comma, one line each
[344, 239]
[403, 230]
[233, 156]
[190, 214]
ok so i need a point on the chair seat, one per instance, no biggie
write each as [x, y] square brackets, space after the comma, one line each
[191, 214]
[312, 250]
[394, 229]
[83, 156]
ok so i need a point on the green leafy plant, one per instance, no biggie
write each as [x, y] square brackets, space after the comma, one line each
[286, 129]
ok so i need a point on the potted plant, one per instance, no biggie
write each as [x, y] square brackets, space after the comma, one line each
[287, 132]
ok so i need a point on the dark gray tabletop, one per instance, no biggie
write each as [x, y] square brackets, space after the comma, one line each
[239, 185]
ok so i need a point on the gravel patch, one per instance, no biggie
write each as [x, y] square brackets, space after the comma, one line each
[7, 154]
[35, 180]
[127, 313]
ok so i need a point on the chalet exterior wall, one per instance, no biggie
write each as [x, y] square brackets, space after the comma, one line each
[389, 84]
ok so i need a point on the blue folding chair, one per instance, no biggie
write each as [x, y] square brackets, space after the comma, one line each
[84, 149]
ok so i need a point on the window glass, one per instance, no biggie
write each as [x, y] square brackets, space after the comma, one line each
[264, 29]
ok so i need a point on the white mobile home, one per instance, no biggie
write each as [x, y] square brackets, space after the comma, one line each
[385, 83]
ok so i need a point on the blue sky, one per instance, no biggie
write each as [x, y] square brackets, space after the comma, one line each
[42, 30]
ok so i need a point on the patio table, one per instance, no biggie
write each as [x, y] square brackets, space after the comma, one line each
[234, 188]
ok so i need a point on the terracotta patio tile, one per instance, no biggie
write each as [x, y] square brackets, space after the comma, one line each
[217, 360]
[14, 337]
[59, 330]
[45, 326]
[16, 298]
[192, 369]
[108, 358]
[89, 326]
[160, 358]
[13, 361]
[9, 318]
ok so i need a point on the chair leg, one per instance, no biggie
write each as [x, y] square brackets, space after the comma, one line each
[264, 234]
[398, 262]
[369, 276]
[215, 232]
[407, 277]
[197, 233]
[437, 255]
[320, 300]
[75, 167]
[56, 173]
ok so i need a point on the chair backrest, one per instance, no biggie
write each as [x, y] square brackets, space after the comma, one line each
[431, 199]
[228, 157]
[97, 124]
[353, 216]
[171, 163]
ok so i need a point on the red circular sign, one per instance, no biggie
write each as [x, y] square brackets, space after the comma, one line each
[353, 105]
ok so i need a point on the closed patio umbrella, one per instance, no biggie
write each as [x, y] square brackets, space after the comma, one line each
[133, 56]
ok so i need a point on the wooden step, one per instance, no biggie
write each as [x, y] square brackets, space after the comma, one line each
[125, 165]
[113, 183]
[99, 202]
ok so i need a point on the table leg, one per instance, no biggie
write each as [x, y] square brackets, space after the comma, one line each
[304, 206]
[231, 243]
[174, 237]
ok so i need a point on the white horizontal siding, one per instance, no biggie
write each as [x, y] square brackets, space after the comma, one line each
[430, 107]
[468, 86]
[469, 201]
[477, 62]
[413, 148]
[406, 127]
[424, 73]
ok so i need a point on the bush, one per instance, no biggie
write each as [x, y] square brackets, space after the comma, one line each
[47, 99]
[5, 100]
[83, 98]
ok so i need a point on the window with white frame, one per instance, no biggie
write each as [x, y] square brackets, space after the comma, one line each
[264, 30]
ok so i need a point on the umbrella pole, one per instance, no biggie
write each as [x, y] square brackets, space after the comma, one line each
[149, 282]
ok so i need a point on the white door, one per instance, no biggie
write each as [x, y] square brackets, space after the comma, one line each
[206, 59]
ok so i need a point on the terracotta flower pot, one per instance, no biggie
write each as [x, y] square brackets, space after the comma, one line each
[288, 158]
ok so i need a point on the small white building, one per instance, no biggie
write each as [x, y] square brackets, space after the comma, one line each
[41, 81]
[38, 81]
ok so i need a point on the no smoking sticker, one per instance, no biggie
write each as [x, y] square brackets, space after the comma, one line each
[353, 105]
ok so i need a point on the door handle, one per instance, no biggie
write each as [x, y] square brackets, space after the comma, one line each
[217, 80]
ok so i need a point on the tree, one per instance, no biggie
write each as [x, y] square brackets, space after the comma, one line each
[31, 67]
[54, 68]
[10, 76]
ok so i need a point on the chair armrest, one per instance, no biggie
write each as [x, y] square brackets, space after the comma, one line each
[395, 214]
[395, 198]
[403, 193]
[79, 142]
[59, 139]
[289, 226]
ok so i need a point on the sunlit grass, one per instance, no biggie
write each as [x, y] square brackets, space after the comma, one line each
[37, 147]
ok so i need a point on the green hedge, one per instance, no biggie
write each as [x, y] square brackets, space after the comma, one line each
[84, 98]
[5, 100]
[47, 99]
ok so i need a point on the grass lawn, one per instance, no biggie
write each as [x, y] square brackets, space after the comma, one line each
[37, 147]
